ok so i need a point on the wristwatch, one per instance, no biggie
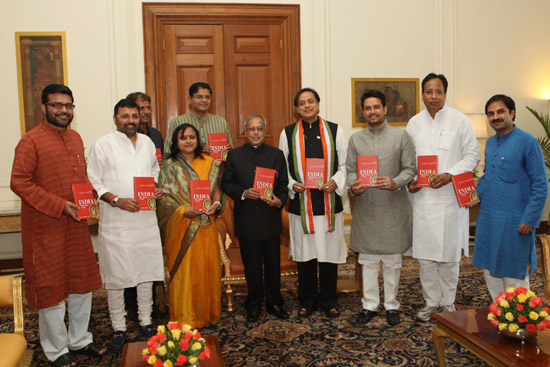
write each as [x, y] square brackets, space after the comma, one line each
[114, 201]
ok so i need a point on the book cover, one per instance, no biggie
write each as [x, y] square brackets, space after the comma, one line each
[315, 173]
[465, 188]
[200, 195]
[367, 169]
[144, 192]
[426, 169]
[84, 198]
[158, 153]
[264, 178]
[218, 146]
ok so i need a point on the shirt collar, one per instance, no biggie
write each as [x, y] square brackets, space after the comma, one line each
[197, 116]
[51, 128]
[379, 130]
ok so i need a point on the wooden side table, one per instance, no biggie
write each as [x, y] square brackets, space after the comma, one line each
[473, 331]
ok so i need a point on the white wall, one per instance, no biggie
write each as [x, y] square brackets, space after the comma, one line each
[483, 47]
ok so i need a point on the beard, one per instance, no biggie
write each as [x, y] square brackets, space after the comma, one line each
[52, 119]
[129, 132]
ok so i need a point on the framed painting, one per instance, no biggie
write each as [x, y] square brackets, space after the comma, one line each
[402, 98]
[41, 60]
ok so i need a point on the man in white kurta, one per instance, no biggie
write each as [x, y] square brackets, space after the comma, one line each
[130, 251]
[440, 226]
[316, 230]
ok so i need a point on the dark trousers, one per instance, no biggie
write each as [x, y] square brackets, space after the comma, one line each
[130, 299]
[255, 253]
[308, 295]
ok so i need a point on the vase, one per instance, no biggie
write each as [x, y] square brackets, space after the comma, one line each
[519, 334]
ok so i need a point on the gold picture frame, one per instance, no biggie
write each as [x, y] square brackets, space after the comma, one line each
[41, 60]
[402, 98]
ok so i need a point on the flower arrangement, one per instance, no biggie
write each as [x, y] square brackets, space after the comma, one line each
[175, 346]
[518, 309]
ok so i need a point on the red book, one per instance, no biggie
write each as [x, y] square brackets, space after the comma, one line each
[144, 192]
[263, 181]
[315, 173]
[426, 169]
[218, 146]
[158, 153]
[367, 169]
[84, 198]
[200, 195]
[465, 189]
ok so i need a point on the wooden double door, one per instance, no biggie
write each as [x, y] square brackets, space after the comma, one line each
[249, 54]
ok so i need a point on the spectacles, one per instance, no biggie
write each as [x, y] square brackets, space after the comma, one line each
[255, 128]
[200, 96]
[128, 117]
[59, 105]
[437, 92]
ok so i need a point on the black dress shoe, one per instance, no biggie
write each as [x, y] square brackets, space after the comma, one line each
[393, 317]
[252, 315]
[148, 331]
[118, 340]
[277, 311]
[365, 316]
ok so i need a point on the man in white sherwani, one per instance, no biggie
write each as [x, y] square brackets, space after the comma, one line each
[440, 226]
[381, 228]
[130, 250]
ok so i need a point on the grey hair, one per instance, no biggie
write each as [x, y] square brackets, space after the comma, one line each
[254, 115]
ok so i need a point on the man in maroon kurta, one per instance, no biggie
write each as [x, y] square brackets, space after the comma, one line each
[58, 256]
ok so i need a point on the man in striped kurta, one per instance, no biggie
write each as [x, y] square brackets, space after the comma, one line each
[200, 99]
[58, 256]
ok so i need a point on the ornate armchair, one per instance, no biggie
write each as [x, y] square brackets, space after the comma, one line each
[545, 245]
[13, 346]
[233, 268]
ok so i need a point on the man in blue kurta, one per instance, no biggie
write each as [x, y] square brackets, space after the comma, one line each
[513, 194]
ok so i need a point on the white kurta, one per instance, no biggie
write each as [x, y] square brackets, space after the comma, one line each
[321, 245]
[130, 250]
[440, 226]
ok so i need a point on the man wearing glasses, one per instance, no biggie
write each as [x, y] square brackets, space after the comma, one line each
[130, 253]
[440, 226]
[200, 98]
[58, 256]
[258, 221]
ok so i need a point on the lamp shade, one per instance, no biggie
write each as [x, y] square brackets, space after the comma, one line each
[479, 123]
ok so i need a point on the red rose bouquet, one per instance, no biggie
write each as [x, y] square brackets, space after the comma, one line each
[175, 346]
[518, 309]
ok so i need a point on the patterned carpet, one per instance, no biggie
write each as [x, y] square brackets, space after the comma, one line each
[313, 342]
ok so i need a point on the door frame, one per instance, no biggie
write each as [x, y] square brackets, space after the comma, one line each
[156, 15]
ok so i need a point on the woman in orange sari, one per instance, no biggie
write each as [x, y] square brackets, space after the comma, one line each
[189, 235]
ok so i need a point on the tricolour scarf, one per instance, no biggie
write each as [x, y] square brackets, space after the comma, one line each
[299, 159]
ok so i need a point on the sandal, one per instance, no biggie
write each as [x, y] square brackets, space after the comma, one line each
[306, 311]
[92, 350]
[332, 313]
[64, 360]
